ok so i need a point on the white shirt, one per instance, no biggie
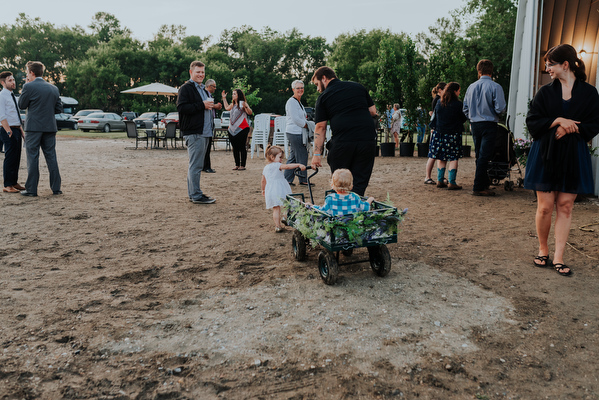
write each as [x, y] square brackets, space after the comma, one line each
[8, 110]
[296, 116]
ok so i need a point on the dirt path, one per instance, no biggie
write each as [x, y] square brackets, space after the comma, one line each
[123, 289]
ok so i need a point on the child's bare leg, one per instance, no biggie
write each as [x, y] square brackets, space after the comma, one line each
[276, 216]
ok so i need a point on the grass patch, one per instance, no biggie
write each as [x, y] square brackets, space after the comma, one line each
[92, 134]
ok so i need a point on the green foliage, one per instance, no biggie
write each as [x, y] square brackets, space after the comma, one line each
[388, 70]
[106, 26]
[250, 96]
[358, 228]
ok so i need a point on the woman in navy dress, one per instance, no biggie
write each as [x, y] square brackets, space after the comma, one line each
[446, 145]
[563, 117]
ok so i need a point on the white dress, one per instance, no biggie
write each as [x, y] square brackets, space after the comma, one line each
[276, 186]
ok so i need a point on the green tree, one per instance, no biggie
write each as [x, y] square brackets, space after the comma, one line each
[388, 80]
[106, 26]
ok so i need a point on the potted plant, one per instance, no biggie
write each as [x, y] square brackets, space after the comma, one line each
[406, 147]
[521, 148]
[387, 145]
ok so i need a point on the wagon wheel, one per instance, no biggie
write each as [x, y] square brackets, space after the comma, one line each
[380, 260]
[298, 244]
[495, 182]
[511, 186]
[348, 252]
[506, 185]
[328, 267]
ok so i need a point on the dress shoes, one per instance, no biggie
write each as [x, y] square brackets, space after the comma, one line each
[29, 194]
[486, 193]
[209, 170]
[57, 192]
[10, 189]
[19, 187]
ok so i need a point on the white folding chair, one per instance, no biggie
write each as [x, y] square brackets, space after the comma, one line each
[279, 137]
[328, 136]
[260, 134]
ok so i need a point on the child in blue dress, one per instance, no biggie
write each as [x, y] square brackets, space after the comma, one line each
[274, 185]
[343, 201]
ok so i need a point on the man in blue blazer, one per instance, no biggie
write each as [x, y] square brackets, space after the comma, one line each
[42, 101]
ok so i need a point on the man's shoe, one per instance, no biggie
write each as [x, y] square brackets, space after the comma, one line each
[204, 200]
[57, 192]
[441, 184]
[10, 189]
[451, 186]
[26, 193]
[486, 193]
[18, 187]
[209, 170]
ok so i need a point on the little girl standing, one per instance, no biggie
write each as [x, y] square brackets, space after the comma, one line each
[274, 184]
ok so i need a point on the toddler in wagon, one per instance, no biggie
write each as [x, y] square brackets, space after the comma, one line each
[343, 201]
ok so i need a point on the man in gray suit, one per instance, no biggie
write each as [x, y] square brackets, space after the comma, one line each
[42, 101]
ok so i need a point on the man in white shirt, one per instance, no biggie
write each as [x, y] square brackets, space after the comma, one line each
[11, 133]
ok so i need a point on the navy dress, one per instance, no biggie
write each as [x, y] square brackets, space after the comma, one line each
[448, 122]
[562, 165]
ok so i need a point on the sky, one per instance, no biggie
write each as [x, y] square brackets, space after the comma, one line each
[327, 18]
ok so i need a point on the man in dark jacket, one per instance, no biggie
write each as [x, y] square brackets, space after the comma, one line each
[195, 118]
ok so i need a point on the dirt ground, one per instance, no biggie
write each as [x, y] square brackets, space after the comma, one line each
[123, 289]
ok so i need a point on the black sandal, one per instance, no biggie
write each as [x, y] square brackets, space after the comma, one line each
[544, 260]
[559, 267]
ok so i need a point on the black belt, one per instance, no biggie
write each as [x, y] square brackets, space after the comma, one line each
[18, 127]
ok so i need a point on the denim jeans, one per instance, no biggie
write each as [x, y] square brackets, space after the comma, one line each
[196, 150]
[297, 154]
[484, 135]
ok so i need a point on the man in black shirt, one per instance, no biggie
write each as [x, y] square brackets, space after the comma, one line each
[349, 108]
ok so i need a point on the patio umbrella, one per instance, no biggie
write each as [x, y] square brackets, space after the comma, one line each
[154, 89]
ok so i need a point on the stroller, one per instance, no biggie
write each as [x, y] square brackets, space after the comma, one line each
[504, 160]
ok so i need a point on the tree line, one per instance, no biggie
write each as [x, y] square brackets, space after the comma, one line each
[95, 66]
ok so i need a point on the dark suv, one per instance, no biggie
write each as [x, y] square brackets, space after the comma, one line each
[129, 115]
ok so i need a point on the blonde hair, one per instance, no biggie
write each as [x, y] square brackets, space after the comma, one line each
[342, 180]
[271, 153]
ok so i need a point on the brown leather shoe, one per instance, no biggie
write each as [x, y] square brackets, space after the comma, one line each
[10, 189]
[441, 184]
[18, 187]
[451, 186]
[486, 192]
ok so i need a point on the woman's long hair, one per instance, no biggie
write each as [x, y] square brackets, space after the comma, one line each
[564, 52]
[440, 86]
[450, 93]
[240, 95]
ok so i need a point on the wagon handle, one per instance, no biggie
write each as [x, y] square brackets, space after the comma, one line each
[297, 171]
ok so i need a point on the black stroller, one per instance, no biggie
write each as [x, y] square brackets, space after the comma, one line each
[504, 160]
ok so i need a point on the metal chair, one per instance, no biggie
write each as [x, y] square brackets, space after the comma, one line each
[260, 134]
[279, 137]
[170, 133]
[133, 133]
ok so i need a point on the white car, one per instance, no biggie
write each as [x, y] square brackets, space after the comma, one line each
[225, 119]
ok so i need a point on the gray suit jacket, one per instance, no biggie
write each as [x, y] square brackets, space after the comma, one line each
[42, 101]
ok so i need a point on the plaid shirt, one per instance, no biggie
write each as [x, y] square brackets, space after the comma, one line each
[342, 204]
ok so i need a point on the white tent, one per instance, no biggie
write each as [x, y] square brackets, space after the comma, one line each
[540, 25]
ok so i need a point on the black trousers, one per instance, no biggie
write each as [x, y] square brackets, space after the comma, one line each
[240, 151]
[358, 157]
[12, 156]
[207, 164]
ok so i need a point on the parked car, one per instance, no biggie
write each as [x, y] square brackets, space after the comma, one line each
[64, 121]
[83, 113]
[309, 113]
[102, 122]
[149, 116]
[129, 115]
[225, 119]
[171, 117]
